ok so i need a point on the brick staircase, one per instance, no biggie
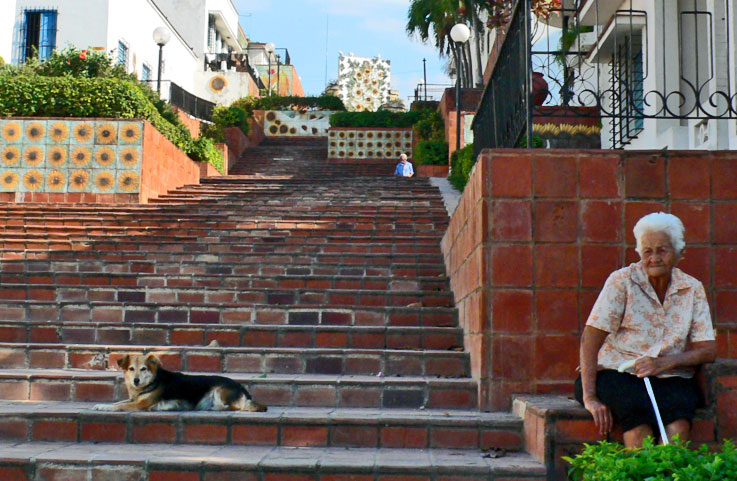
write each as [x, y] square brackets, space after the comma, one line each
[321, 287]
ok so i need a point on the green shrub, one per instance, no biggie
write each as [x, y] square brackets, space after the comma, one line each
[223, 117]
[77, 83]
[275, 102]
[461, 162]
[430, 126]
[607, 461]
[379, 119]
[204, 149]
[431, 152]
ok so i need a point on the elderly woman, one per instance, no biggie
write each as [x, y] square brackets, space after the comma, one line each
[654, 313]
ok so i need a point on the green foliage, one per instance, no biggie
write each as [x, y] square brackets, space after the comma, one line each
[537, 142]
[461, 163]
[2, 61]
[567, 39]
[204, 149]
[607, 461]
[430, 126]
[431, 152]
[223, 117]
[380, 119]
[78, 83]
[275, 102]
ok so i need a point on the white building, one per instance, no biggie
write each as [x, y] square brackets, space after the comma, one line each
[204, 42]
[672, 60]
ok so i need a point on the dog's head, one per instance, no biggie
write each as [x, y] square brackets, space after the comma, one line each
[140, 370]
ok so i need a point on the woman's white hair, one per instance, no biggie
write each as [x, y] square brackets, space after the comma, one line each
[661, 222]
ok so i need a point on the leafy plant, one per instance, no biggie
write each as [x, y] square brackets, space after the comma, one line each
[379, 119]
[567, 39]
[608, 461]
[79, 83]
[223, 117]
[430, 126]
[461, 162]
[275, 102]
[431, 152]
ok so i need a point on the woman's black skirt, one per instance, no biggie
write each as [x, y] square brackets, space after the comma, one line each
[626, 396]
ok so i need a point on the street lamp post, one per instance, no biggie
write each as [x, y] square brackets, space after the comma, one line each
[460, 33]
[161, 37]
[269, 47]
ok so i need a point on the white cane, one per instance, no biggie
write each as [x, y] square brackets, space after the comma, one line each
[629, 365]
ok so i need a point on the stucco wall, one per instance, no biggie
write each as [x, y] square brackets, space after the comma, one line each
[7, 21]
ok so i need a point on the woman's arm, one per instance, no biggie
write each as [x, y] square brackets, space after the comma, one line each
[591, 342]
[697, 353]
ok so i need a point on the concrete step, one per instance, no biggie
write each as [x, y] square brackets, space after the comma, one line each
[170, 334]
[270, 389]
[369, 362]
[279, 426]
[199, 462]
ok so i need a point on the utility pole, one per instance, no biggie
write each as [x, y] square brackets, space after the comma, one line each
[424, 71]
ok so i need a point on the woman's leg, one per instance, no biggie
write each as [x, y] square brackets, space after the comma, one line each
[635, 436]
[681, 427]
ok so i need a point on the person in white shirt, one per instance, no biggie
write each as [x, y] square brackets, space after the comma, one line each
[404, 167]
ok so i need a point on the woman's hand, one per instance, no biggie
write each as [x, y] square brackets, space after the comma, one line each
[601, 413]
[650, 366]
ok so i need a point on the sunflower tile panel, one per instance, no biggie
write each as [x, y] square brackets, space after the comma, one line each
[33, 156]
[79, 180]
[34, 132]
[57, 156]
[105, 157]
[129, 157]
[106, 132]
[83, 132]
[59, 132]
[9, 180]
[130, 133]
[11, 131]
[127, 181]
[81, 157]
[103, 181]
[10, 156]
[56, 180]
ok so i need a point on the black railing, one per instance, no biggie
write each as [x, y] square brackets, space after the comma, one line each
[429, 92]
[190, 104]
[671, 61]
[501, 118]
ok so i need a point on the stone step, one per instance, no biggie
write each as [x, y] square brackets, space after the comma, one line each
[223, 359]
[245, 281]
[279, 426]
[225, 264]
[193, 296]
[270, 389]
[204, 313]
[198, 462]
[143, 334]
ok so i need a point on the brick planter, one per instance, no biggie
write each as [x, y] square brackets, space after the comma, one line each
[431, 170]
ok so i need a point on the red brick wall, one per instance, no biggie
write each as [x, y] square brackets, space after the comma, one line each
[192, 124]
[536, 233]
[237, 142]
[164, 166]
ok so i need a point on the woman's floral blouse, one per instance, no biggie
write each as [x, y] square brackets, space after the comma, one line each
[638, 325]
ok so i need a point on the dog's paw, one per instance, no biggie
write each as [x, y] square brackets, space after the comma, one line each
[104, 407]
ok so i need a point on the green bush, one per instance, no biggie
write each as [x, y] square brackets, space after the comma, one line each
[274, 102]
[431, 152]
[223, 117]
[461, 162]
[430, 126]
[75, 83]
[607, 461]
[379, 119]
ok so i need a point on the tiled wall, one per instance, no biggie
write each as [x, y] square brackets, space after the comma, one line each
[291, 123]
[100, 156]
[355, 143]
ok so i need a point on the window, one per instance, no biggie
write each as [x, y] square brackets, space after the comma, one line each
[146, 73]
[627, 91]
[123, 54]
[36, 35]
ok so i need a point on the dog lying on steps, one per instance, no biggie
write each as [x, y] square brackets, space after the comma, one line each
[153, 388]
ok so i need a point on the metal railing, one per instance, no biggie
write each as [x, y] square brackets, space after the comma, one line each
[190, 104]
[601, 58]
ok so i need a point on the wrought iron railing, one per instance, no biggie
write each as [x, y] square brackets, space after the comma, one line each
[673, 60]
[190, 104]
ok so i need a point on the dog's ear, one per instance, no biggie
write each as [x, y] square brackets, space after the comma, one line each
[152, 361]
[124, 362]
